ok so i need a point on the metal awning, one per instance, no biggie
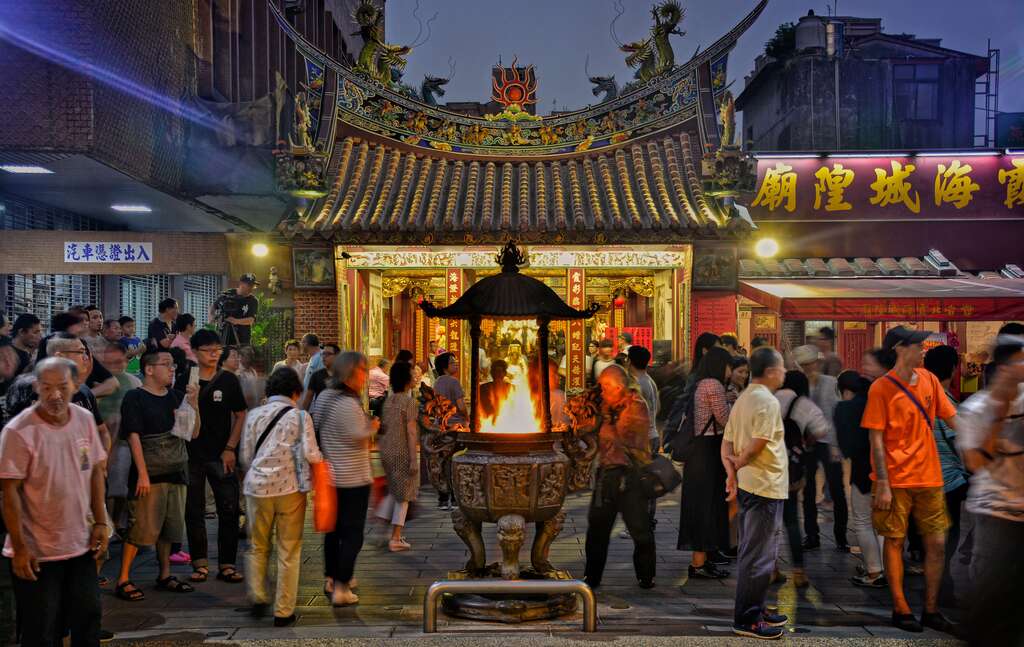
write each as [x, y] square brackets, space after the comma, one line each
[902, 299]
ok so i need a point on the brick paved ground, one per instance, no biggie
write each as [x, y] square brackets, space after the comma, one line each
[392, 588]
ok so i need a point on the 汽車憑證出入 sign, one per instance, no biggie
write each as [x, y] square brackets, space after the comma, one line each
[107, 252]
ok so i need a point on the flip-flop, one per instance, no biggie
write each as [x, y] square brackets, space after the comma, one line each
[174, 585]
[135, 595]
[200, 574]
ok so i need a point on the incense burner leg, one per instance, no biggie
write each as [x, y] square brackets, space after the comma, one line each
[470, 533]
[511, 532]
[546, 533]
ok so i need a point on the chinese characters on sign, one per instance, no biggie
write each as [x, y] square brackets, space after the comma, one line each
[453, 327]
[575, 361]
[107, 252]
[932, 187]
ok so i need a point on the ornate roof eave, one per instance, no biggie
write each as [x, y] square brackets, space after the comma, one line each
[671, 98]
[644, 192]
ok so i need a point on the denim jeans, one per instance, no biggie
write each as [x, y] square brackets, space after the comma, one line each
[618, 491]
[64, 597]
[225, 494]
[834, 482]
[758, 523]
[341, 547]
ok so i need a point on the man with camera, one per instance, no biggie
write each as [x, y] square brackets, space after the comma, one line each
[235, 312]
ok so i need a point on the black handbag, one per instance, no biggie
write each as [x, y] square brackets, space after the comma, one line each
[659, 477]
[164, 453]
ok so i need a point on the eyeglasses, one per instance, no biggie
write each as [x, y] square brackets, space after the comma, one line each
[212, 351]
[173, 367]
[72, 352]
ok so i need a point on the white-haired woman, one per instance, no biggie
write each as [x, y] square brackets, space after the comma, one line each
[345, 431]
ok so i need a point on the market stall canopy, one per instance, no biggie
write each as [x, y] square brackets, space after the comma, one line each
[882, 299]
[509, 294]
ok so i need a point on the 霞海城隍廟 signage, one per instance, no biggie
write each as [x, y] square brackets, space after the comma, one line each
[107, 252]
[909, 187]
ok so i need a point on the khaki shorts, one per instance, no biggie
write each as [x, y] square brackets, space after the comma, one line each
[926, 504]
[158, 516]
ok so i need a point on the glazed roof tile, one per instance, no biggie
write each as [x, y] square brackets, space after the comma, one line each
[643, 192]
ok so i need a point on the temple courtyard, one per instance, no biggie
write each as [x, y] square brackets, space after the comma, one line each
[392, 586]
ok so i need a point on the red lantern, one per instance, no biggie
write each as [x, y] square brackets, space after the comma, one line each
[620, 301]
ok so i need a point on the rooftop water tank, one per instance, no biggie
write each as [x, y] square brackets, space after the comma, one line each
[810, 33]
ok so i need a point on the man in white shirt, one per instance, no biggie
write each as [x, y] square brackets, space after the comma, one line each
[755, 459]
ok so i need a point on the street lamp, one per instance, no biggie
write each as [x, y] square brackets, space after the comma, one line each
[260, 250]
[766, 248]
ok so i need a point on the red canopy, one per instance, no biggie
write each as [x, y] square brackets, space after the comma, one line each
[884, 299]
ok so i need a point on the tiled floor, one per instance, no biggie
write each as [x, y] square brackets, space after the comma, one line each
[392, 586]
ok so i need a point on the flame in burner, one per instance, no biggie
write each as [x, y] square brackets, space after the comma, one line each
[516, 413]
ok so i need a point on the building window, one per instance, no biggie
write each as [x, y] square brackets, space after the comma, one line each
[140, 296]
[201, 290]
[916, 91]
[44, 295]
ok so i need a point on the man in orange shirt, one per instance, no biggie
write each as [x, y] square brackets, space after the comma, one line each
[902, 407]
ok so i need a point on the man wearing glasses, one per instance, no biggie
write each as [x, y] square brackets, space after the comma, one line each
[158, 479]
[212, 457]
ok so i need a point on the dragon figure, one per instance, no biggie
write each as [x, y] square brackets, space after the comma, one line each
[377, 58]
[605, 84]
[653, 56]
[727, 112]
[431, 88]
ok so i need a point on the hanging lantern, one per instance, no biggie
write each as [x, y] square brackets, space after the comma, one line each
[620, 301]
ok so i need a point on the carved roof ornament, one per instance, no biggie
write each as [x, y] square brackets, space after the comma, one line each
[510, 258]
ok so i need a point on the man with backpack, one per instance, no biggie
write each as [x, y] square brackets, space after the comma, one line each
[804, 424]
[902, 405]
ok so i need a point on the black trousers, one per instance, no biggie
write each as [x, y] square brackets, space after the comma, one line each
[954, 504]
[791, 520]
[996, 573]
[225, 495]
[618, 491]
[64, 597]
[834, 483]
[341, 547]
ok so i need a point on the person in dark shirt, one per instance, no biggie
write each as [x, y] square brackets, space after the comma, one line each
[855, 443]
[161, 330]
[212, 458]
[8, 363]
[27, 333]
[318, 380]
[236, 312]
[156, 490]
[74, 321]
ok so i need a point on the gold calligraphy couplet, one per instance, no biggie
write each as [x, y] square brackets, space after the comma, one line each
[832, 183]
[778, 188]
[1014, 181]
[953, 185]
[575, 363]
[894, 188]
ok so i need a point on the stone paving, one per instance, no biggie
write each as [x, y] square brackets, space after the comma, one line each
[392, 586]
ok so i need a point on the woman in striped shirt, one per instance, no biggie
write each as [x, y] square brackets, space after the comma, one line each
[345, 431]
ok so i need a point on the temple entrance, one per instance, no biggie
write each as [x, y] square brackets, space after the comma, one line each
[642, 292]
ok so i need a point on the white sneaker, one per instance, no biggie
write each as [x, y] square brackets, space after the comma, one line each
[398, 546]
[343, 596]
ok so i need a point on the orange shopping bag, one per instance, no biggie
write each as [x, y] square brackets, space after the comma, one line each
[325, 498]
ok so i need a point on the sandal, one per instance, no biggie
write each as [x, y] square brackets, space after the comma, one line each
[199, 574]
[230, 575]
[103, 581]
[174, 585]
[134, 595]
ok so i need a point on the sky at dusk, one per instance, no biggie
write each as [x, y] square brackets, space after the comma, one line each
[557, 35]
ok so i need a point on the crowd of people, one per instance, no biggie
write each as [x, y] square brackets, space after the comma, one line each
[160, 427]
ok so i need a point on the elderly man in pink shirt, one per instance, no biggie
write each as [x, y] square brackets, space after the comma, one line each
[51, 470]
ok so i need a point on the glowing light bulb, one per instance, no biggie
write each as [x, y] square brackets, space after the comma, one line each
[260, 250]
[766, 248]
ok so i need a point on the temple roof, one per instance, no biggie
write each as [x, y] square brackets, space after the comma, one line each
[685, 94]
[646, 191]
